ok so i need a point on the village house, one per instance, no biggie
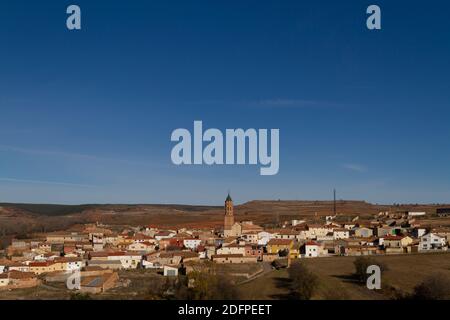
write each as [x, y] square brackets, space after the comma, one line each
[164, 235]
[141, 247]
[297, 222]
[385, 230]
[432, 242]
[129, 260]
[231, 249]
[151, 229]
[318, 231]
[264, 237]
[233, 258]
[45, 246]
[443, 212]
[187, 256]
[106, 264]
[295, 251]
[70, 264]
[164, 243]
[287, 234]
[99, 284]
[162, 258]
[45, 267]
[270, 257]
[210, 250]
[349, 226]
[191, 243]
[254, 251]
[277, 245]
[395, 244]
[442, 232]
[341, 233]
[248, 226]
[17, 279]
[141, 238]
[4, 280]
[327, 238]
[356, 250]
[62, 237]
[363, 232]
[250, 237]
[169, 271]
[418, 232]
[18, 266]
[112, 239]
[202, 253]
[312, 249]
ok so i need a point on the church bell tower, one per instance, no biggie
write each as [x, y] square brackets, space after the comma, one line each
[229, 216]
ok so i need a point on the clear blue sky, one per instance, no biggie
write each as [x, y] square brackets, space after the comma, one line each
[86, 116]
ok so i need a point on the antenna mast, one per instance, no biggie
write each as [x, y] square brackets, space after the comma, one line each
[334, 201]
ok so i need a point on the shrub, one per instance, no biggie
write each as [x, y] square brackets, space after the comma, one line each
[303, 282]
[434, 287]
[362, 263]
[210, 286]
[80, 296]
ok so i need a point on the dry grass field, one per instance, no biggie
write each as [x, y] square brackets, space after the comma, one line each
[336, 282]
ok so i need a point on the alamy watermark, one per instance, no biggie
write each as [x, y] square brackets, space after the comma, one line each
[374, 280]
[73, 21]
[239, 146]
[73, 282]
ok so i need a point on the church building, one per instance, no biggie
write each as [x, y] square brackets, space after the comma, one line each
[230, 228]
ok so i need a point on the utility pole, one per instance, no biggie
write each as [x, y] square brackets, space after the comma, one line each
[334, 201]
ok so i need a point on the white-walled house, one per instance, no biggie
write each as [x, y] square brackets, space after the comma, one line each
[264, 237]
[416, 214]
[312, 249]
[170, 271]
[192, 243]
[151, 264]
[341, 234]
[128, 260]
[141, 246]
[431, 241]
[40, 257]
[319, 231]
[250, 237]
[73, 265]
[231, 249]
[165, 235]
[287, 234]
[328, 237]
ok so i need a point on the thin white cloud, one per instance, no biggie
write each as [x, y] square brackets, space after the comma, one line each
[294, 103]
[46, 152]
[271, 103]
[58, 183]
[288, 102]
[355, 167]
[71, 155]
